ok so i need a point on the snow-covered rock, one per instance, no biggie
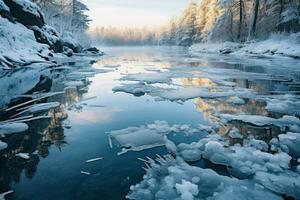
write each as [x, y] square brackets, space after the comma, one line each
[26, 12]
[18, 44]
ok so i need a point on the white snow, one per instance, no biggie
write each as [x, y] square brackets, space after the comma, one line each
[279, 45]
[19, 45]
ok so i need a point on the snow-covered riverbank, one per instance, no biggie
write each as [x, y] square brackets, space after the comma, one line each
[26, 38]
[277, 45]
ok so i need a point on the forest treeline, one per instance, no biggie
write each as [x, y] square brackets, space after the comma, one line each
[212, 21]
[68, 17]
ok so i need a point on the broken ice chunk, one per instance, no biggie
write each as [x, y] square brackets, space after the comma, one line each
[137, 139]
[149, 136]
[235, 134]
[13, 127]
[93, 160]
[292, 142]
[287, 183]
[85, 173]
[2, 195]
[36, 108]
[236, 100]
[3, 145]
[187, 190]
[23, 155]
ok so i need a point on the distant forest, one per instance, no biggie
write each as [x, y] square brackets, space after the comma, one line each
[212, 21]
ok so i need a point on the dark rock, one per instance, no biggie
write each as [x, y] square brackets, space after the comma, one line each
[48, 35]
[68, 52]
[92, 50]
[226, 51]
[25, 16]
[5, 13]
[75, 48]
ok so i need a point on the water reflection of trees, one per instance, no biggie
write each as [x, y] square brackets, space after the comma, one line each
[40, 136]
[209, 108]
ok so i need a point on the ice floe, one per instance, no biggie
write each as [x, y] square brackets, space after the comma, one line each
[289, 142]
[149, 136]
[183, 93]
[23, 155]
[41, 107]
[13, 127]
[149, 78]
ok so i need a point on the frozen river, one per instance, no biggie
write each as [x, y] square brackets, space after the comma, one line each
[237, 116]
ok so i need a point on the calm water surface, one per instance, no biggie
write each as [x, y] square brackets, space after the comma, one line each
[77, 133]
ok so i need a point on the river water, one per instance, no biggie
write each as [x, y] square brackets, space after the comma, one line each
[90, 108]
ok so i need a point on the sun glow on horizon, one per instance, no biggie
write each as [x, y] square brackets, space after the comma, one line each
[132, 13]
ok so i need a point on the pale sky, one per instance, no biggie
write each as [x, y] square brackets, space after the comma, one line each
[132, 13]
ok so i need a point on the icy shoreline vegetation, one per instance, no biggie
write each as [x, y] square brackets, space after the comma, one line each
[285, 45]
[26, 38]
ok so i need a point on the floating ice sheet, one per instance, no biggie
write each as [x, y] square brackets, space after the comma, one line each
[148, 136]
[183, 93]
[13, 127]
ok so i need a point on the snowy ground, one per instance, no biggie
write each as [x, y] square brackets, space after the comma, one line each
[276, 45]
